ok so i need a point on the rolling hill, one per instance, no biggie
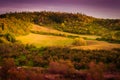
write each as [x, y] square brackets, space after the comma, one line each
[58, 46]
[44, 27]
[46, 37]
[78, 23]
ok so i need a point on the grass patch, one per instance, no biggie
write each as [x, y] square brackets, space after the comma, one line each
[50, 31]
[44, 40]
[55, 34]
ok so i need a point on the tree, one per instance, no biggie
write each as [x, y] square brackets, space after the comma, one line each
[2, 25]
[117, 35]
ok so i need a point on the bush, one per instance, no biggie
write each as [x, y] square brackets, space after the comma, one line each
[95, 71]
[10, 37]
[3, 40]
[79, 42]
[7, 64]
[61, 67]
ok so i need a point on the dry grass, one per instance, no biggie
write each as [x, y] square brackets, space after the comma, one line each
[44, 40]
[94, 44]
[50, 30]
[49, 40]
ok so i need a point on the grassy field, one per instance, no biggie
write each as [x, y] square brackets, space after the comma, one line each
[40, 40]
[50, 30]
[44, 40]
[94, 44]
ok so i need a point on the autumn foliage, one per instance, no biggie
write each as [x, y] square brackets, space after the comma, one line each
[20, 62]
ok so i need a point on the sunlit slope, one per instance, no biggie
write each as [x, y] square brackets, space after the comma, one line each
[44, 40]
[49, 40]
[94, 44]
[45, 29]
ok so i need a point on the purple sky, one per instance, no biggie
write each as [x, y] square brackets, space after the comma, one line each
[96, 8]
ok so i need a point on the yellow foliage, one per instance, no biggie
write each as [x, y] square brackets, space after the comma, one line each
[79, 42]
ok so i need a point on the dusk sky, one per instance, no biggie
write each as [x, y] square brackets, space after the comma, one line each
[96, 8]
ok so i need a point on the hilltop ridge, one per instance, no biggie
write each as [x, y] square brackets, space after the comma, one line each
[20, 23]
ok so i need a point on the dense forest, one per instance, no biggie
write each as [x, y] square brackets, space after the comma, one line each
[27, 62]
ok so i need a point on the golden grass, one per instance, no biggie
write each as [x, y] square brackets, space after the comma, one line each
[94, 44]
[44, 40]
[49, 40]
[50, 30]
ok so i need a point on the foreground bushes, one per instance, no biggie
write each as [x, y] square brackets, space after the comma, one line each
[57, 70]
[55, 63]
[31, 56]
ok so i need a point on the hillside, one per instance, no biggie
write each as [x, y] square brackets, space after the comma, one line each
[59, 24]
[14, 25]
[51, 31]
[46, 37]
[109, 29]
[58, 46]
[39, 40]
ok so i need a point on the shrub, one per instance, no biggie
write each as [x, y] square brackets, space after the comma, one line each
[61, 67]
[7, 64]
[117, 35]
[3, 40]
[95, 71]
[10, 37]
[79, 42]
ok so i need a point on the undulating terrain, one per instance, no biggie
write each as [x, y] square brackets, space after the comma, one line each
[58, 46]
